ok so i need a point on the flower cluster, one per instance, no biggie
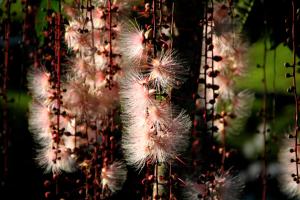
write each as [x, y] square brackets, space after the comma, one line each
[228, 54]
[288, 168]
[219, 186]
[155, 130]
[68, 123]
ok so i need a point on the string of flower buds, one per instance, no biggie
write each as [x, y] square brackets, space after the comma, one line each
[149, 118]
[294, 91]
[226, 106]
[57, 54]
[93, 37]
[289, 153]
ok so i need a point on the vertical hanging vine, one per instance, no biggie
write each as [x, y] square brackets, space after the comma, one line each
[5, 127]
[223, 108]
[289, 152]
[155, 131]
[264, 121]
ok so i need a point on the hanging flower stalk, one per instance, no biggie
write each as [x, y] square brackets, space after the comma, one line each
[156, 131]
[48, 120]
[289, 153]
[224, 110]
[5, 128]
[88, 100]
[232, 108]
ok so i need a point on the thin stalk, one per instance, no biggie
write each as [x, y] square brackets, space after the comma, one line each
[295, 88]
[264, 116]
[154, 27]
[110, 42]
[93, 39]
[205, 66]
[274, 89]
[170, 181]
[58, 86]
[212, 78]
[159, 186]
[5, 132]
[172, 23]
[223, 135]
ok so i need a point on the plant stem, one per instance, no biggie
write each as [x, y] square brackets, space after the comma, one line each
[160, 183]
[5, 132]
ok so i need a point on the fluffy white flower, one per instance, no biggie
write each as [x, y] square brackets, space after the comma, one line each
[39, 83]
[166, 72]
[135, 94]
[40, 119]
[160, 136]
[114, 176]
[288, 168]
[56, 160]
[72, 34]
[223, 186]
[131, 42]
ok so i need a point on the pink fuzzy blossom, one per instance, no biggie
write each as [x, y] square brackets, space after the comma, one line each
[39, 83]
[113, 176]
[135, 95]
[166, 72]
[287, 183]
[224, 186]
[56, 160]
[132, 46]
[160, 136]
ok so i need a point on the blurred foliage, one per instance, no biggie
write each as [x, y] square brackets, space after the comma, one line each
[253, 79]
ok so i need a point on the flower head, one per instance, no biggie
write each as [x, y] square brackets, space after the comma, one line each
[166, 72]
[132, 43]
[113, 176]
[223, 186]
[287, 177]
[56, 160]
[39, 83]
[159, 136]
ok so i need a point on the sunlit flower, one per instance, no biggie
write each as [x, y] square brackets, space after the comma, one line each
[160, 136]
[39, 83]
[40, 119]
[114, 176]
[56, 160]
[167, 72]
[131, 42]
[223, 186]
[287, 159]
[135, 94]
[72, 34]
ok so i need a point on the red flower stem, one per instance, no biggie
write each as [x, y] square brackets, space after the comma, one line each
[212, 78]
[58, 70]
[295, 89]
[154, 7]
[110, 43]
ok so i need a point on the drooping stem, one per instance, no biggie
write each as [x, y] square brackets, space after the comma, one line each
[212, 78]
[223, 139]
[160, 183]
[294, 89]
[154, 10]
[58, 86]
[110, 42]
[5, 131]
[90, 8]
[205, 67]
[264, 118]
